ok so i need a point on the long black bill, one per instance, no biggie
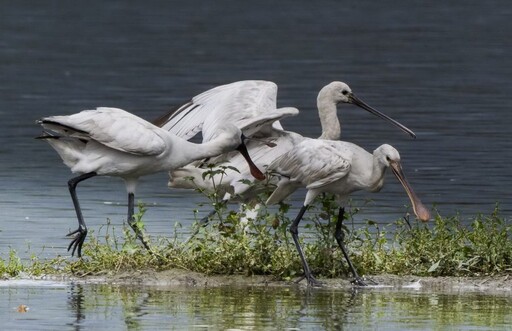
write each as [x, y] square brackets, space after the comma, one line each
[255, 172]
[360, 103]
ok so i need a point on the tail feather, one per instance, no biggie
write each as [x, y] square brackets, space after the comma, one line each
[69, 148]
[48, 135]
[49, 124]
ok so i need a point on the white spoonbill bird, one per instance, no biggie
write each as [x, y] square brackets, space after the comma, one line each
[239, 100]
[113, 142]
[339, 168]
[249, 105]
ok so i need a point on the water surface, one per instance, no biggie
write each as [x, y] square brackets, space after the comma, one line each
[66, 306]
[442, 68]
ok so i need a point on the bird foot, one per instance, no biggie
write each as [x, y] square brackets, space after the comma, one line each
[205, 220]
[359, 281]
[78, 240]
[312, 281]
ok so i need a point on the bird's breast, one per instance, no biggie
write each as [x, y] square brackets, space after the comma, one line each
[377, 186]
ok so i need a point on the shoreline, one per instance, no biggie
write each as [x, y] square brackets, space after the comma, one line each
[178, 278]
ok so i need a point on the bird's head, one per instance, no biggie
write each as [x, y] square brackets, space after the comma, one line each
[389, 157]
[339, 92]
[336, 92]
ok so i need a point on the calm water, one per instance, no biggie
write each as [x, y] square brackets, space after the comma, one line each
[443, 68]
[54, 306]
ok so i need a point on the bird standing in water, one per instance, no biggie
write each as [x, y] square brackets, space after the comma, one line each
[250, 100]
[113, 142]
[340, 168]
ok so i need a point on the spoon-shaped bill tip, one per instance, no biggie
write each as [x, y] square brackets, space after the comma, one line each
[256, 173]
[419, 208]
[422, 212]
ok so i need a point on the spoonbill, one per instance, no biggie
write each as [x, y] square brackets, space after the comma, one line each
[240, 99]
[113, 142]
[211, 109]
[340, 168]
[249, 105]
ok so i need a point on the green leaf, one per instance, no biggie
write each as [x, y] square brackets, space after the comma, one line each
[232, 168]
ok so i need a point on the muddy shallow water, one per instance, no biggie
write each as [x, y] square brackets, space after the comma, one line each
[180, 300]
[183, 278]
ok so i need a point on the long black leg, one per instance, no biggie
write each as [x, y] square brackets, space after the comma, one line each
[294, 230]
[131, 221]
[81, 232]
[340, 236]
[205, 220]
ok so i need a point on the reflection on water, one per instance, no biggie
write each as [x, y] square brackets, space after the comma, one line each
[110, 307]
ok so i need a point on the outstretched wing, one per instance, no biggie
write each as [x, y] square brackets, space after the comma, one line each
[248, 104]
[112, 127]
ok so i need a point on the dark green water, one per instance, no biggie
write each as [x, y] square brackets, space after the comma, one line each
[54, 306]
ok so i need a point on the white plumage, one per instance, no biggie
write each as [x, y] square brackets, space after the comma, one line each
[251, 99]
[250, 105]
[340, 168]
[113, 142]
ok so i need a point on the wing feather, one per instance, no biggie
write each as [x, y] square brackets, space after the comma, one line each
[314, 163]
[244, 104]
[112, 127]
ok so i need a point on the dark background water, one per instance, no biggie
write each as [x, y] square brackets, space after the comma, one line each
[443, 68]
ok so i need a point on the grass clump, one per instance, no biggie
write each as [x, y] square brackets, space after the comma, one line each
[14, 266]
[450, 248]
[262, 246]
[237, 246]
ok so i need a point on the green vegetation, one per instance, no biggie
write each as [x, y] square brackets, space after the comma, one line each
[443, 248]
[230, 245]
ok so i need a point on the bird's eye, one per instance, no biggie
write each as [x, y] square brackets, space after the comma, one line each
[388, 159]
[344, 92]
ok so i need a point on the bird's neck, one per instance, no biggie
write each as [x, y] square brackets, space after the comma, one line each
[329, 121]
[191, 152]
[376, 180]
